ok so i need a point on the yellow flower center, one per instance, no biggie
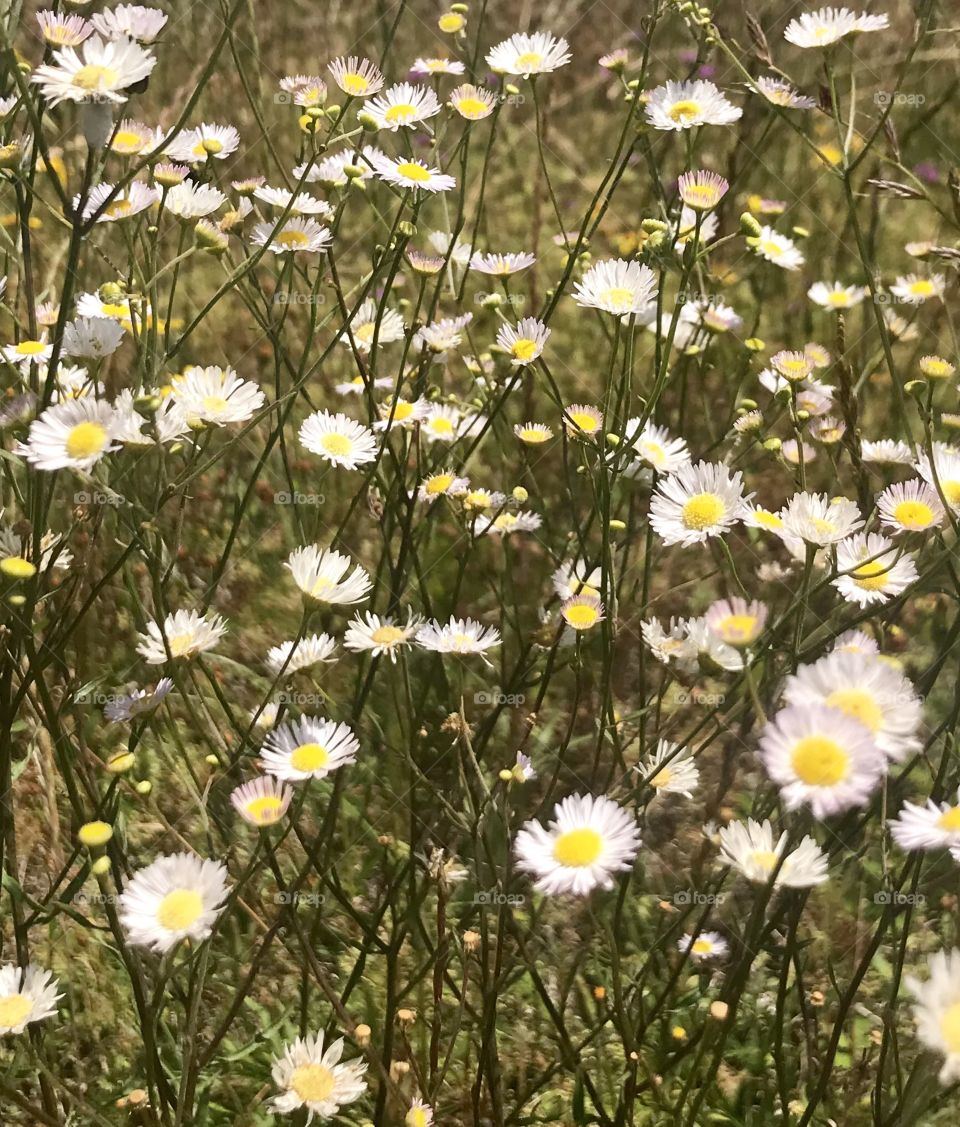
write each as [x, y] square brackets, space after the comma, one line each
[765, 858]
[617, 297]
[819, 761]
[387, 635]
[86, 439]
[478, 499]
[309, 757]
[127, 139]
[921, 288]
[337, 444]
[439, 483]
[581, 616]
[662, 778]
[737, 628]
[214, 404]
[950, 1028]
[93, 77]
[681, 112]
[839, 299]
[313, 1083]
[30, 347]
[766, 519]
[180, 644]
[416, 1117]
[859, 704]
[14, 1010]
[533, 436]
[578, 848]
[584, 420]
[354, 84]
[472, 107]
[949, 820]
[702, 511]
[180, 909]
[440, 426]
[292, 240]
[913, 514]
[265, 810]
[770, 248]
[702, 947]
[411, 171]
[529, 61]
[118, 208]
[523, 349]
[951, 490]
[401, 112]
[872, 576]
[401, 410]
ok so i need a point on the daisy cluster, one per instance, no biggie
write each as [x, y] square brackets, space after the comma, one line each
[449, 559]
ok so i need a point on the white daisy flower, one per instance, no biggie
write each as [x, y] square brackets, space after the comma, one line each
[175, 898]
[671, 644]
[942, 472]
[698, 501]
[91, 337]
[735, 621]
[705, 945]
[297, 234]
[937, 1011]
[778, 249]
[371, 321]
[371, 633]
[187, 634]
[573, 578]
[206, 141]
[818, 519]
[835, 295]
[459, 252]
[338, 439]
[701, 190]
[502, 265]
[655, 447]
[440, 423]
[138, 702]
[827, 26]
[261, 802]
[60, 30]
[617, 286]
[131, 21]
[401, 413]
[357, 386]
[301, 204]
[524, 55]
[473, 102]
[459, 635]
[582, 612]
[875, 570]
[866, 688]
[717, 317]
[670, 770]
[355, 76]
[129, 201]
[524, 341]
[427, 67]
[305, 89]
[915, 289]
[102, 70]
[315, 1080]
[685, 105]
[779, 92]
[310, 748]
[533, 434]
[412, 173]
[589, 840]
[443, 336]
[507, 522]
[293, 656]
[403, 105]
[215, 396]
[709, 648]
[582, 420]
[28, 351]
[855, 641]
[193, 201]
[822, 758]
[750, 849]
[928, 827]
[27, 995]
[443, 483]
[910, 506]
[888, 451]
[74, 434]
[331, 170]
[321, 574]
[420, 1114]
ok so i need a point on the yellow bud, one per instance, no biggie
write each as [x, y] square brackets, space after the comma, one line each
[92, 834]
[16, 567]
